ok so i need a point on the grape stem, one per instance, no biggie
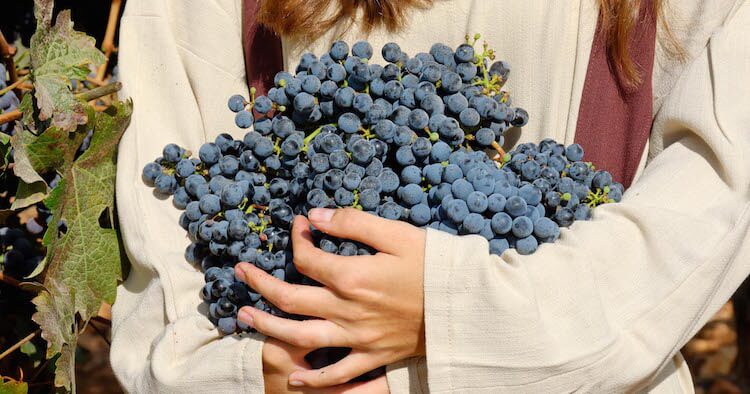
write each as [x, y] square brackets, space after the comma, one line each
[355, 203]
[498, 148]
[315, 134]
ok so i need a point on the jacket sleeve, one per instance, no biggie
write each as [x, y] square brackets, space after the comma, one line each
[606, 307]
[179, 61]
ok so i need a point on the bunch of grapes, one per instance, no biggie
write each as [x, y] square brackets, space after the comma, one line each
[405, 141]
[19, 253]
[8, 100]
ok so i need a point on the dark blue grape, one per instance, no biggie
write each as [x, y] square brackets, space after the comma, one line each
[151, 171]
[236, 103]
[362, 49]
[391, 52]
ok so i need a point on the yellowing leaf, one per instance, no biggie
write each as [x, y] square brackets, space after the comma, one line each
[13, 387]
[59, 54]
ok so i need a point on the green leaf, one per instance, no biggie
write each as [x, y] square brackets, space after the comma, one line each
[13, 387]
[23, 167]
[29, 194]
[31, 187]
[22, 58]
[35, 155]
[84, 263]
[4, 151]
[59, 54]
[34, 353]
[27, 109]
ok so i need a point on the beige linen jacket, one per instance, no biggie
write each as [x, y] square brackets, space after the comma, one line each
[605, 309]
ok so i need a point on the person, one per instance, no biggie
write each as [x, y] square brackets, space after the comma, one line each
[604, 309]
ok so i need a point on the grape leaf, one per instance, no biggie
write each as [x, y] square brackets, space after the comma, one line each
[21, 58]
[4, 151]
[40, 154]
[27, 108]
[23, 168]
[31, 187]
[84, 262]
[59, 54]
[13, 387]
[29, 194]
[50, 150]
[4, 161]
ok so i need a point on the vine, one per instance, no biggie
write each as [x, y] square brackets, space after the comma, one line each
[58, 150]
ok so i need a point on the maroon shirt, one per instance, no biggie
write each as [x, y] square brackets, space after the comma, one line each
[614, 123]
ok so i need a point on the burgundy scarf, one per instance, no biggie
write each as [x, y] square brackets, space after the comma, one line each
[613, 123]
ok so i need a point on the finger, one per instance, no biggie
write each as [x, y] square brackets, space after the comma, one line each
[378, 385]
[364, 227]
[307, 334]
[311, 260]
[282, 353]
[351, 366]
[294, 299]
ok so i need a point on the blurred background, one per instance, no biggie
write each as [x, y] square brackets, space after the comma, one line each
[719, 354]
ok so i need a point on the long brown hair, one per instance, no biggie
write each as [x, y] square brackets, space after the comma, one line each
[300, 19]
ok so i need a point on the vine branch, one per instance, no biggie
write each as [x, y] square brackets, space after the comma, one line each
[101, 91]
[89, 95]
[9, 280]
[15, 85]
[7, 52]
[108, 44]
[20, 343]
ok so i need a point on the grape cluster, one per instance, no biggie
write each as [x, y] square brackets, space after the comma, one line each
[405, 141]
[20, 255]
[8, 101]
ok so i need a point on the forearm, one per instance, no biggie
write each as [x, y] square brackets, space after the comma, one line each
[162, 339]
[610, 303]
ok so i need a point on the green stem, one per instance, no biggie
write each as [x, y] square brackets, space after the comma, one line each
[277, 147]
[15, 84]
[315, 134]
[356, 198]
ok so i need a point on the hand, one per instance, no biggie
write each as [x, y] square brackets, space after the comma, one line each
[280, 359]
[372, 304]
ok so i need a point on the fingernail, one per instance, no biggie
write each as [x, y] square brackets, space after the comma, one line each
[321, 215]
[245, 317]
[238, 271]
[295, 383]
